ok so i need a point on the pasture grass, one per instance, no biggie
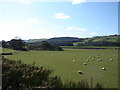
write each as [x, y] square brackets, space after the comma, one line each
[6, 50]
[90, 47]
[61, 62]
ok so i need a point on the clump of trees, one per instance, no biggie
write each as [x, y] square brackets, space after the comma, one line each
[15, 44]
[19, 76]
[19, 44]
[97, 43]
[44, 46]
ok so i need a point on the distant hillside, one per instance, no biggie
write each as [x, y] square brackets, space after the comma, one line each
[63, 41]
[58, 41]
[35, 41]
[111, 40]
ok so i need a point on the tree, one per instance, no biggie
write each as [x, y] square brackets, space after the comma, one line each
[4, 44]
[17, 44]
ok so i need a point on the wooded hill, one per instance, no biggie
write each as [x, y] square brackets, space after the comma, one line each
[44, 46]
[111, 40]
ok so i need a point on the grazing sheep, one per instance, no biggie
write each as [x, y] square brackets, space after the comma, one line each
[85, 64]
[92, 58]
[87, 60]
[111, 59]
[74, 61]
[41, 66]
[97, 56]
[103, 68]
[98, 60]
[89, 57]
[80, 72]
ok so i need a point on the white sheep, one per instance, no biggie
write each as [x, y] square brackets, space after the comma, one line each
[80, 72]
[87, 60]
[92, 58]
[111, 59]
[74, 61]
[89, 57]
[98, 60]
[85, 64]
[103, 68]
[97, 56]
[41, 66]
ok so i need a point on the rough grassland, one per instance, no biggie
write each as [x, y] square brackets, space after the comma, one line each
[61, 62]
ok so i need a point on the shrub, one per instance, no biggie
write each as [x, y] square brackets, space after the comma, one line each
[19, 76]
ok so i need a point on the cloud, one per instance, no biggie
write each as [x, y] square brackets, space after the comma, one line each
[25, 1]
[61, 16]
[76, 28]
[74, 2]
[93, 33]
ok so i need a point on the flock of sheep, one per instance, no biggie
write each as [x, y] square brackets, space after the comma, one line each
[93, 58]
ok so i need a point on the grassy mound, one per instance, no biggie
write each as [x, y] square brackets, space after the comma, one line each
[45, 46]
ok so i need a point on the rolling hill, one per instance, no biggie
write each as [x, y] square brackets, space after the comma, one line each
[70, 41]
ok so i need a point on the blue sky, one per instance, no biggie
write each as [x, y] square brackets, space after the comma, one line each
[34, 20]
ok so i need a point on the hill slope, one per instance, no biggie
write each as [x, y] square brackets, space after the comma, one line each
[110, 40]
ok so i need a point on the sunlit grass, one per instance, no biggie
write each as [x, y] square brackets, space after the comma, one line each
[61, 62]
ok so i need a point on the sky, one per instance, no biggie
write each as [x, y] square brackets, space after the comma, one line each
[77, 18]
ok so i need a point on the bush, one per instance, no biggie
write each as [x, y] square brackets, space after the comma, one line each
[20, 76]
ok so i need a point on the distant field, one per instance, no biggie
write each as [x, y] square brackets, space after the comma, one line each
[61, 62]
[90, 47]
[6, 50]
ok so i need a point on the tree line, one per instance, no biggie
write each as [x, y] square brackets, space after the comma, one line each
[97, 43]
[15, 44]
[19, 44]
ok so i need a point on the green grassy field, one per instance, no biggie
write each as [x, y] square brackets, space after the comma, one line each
[6, 50]
[61, 62]
[84, 47]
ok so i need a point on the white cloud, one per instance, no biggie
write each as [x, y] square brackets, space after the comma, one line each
[76, 28]
[78, 1]
[25, 1]
[93, 33]
[61, 16]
